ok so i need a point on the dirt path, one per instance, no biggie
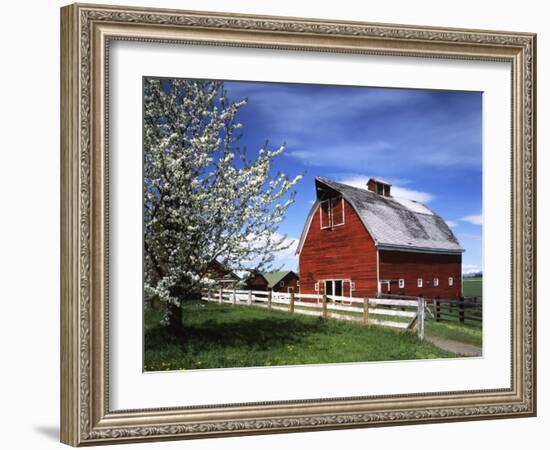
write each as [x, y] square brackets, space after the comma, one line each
[455, 346]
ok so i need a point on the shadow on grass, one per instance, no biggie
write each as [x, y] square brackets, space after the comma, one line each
[260, 333]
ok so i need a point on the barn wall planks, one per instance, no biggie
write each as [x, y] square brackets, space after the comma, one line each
[343, 252]
[257, 282]
[411, 266]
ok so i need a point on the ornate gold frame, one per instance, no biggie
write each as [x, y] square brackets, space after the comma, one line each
[86, 31]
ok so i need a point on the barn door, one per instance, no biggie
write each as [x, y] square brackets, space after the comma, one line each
[334, 287]
[328, 288]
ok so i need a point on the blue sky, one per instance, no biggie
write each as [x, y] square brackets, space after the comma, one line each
[427, 143]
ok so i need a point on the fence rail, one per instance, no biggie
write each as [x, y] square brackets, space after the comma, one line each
[463, 310]
[394, 313]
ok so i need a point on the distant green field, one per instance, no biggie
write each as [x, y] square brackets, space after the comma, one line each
[472, 287]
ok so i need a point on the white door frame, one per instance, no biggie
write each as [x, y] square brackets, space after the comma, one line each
[333, 280]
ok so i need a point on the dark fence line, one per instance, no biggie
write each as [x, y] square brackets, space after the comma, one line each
[465, 310]
[461, 310]
[466, 300]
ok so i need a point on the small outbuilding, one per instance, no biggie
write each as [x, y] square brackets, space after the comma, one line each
[279, 281]
[222, 275]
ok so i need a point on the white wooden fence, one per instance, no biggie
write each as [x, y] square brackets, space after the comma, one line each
[330, 306]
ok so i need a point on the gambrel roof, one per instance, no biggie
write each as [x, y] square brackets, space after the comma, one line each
[393, 223]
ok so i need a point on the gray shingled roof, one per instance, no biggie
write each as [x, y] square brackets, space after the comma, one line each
[397, 223]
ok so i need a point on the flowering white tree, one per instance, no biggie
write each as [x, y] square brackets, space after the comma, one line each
[204, 199]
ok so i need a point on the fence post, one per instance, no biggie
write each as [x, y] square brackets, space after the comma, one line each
[420, 317]
[208, 295]
[291, 302]
[365, 311]
[249, 297]
[234, 295]
[437, 310]
[269, 294]
[461, 310]
[221, 295]
[325, 310]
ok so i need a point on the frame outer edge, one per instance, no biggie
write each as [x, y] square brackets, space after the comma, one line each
[69, 185]
[532, 233]
[79, 337]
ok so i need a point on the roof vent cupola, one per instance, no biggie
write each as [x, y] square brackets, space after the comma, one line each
[379, 187]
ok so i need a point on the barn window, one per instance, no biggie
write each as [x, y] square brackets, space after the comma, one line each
[282, 283]
[324, 212]
[316, 287]
[337, 208]
[401, 283]
[352, 285]
[450, 281]
[331, 212]
[419, 282]
[436, 282]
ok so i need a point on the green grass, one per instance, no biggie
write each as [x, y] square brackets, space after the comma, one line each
[219, 336]
[454, 331]
[151, 318]
[468, 333]
[472, 287]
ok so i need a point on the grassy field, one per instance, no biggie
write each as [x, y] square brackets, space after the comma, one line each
[454, 331]
[472, 287]
[470, 332]
[219, 336]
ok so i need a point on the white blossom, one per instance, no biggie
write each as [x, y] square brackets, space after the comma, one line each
[204, 199]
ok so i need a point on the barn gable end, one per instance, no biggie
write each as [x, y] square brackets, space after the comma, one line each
[343, 252]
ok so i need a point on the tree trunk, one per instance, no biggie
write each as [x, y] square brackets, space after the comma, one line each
[175, 324]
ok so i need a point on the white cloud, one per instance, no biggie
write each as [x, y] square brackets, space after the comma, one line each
[474, 219]
[451, 223]
[358, 181]
[285, 258]
[396, 191]
[470, 268]
[292, 244]
[353, 154]
[410, 194]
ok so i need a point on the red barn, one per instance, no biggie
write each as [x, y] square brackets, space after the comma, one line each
[364, 242]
